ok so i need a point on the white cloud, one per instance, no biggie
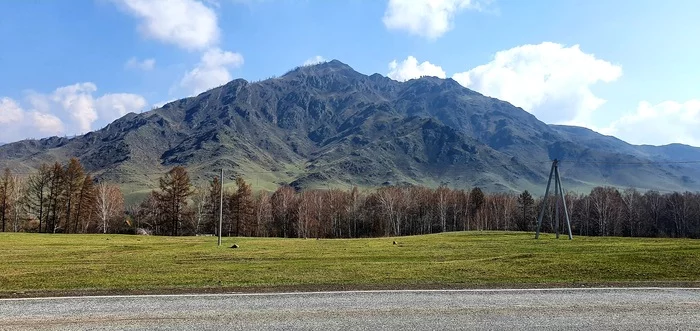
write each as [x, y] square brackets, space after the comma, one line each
[16, 123]
[426, 18]
[10, 112]
[68, 110]
[549, 80]
[315, 60]
[162, 103]
[410, 68]
[78, 102]
[189, 24]
[47, 124]
[113, 106]
[666, 122]
[146, 64]
[211, 71]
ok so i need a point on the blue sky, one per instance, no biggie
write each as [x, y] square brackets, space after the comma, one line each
[626, 68]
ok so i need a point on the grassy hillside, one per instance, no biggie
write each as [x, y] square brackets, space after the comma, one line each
[35, 264]
[329, 125]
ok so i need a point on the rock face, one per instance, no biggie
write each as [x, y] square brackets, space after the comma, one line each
[328, 125]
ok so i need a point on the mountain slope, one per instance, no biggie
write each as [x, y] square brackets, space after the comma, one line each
[328, 125]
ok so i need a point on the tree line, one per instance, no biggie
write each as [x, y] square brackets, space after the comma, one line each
[59, 199]
[62, 198]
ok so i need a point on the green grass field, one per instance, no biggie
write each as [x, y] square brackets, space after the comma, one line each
[42, 263]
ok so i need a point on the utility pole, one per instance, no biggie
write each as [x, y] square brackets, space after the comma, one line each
[559, 196]
[221, 203]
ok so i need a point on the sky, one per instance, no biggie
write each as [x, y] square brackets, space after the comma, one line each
[628, 68]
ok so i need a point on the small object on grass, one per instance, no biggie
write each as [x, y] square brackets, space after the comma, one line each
[395, 242]
[234, 246]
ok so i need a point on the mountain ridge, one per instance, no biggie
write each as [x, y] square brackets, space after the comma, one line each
[329, 125]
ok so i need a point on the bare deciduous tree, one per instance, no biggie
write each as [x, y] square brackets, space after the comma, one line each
[110, 205]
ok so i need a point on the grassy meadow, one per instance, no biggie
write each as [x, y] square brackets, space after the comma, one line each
[42, 263]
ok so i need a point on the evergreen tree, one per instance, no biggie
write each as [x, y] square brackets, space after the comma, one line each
[476, 201]
[87, 199]
[73, 178]
[6, 188]
[38, 194]
[55, 193]
[243, 208]
[175, 188]
[525, 206]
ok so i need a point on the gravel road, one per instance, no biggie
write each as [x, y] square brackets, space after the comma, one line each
[544, 309]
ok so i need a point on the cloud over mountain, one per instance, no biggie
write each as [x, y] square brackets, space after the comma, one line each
[68, 110]
[666, 121]
[410, 68]
[211, 71]
[550, 80]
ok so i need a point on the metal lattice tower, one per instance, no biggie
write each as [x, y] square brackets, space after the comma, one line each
[559, 198]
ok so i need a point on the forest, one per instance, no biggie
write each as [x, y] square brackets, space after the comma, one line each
[63, 198]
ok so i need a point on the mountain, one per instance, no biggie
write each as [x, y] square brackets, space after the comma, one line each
[328, 125]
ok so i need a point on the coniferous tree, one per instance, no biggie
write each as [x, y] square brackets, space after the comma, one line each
[243, 208]
[86, 211]
[38, 194]
[525, 206]
[73, 178]
[476, 201]
[55, 193]
[175, 188]
[5, 189]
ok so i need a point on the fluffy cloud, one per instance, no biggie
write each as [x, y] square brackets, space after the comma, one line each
[67, 110]
[46, 124]
[17, 123]
[10, 112]
[410, 68]
[78, 102]
[669, 121]
[549, 80]
[426, 18]
[116, 105]
[211, 71]
[314, 60]
[189, 24]
[146, 64]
